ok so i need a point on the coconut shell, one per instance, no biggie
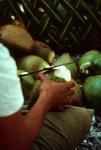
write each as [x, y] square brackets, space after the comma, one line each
[76, 99]
[16, 36]
[27, 83]
[67, 58]
[31, 63]
[43, 50]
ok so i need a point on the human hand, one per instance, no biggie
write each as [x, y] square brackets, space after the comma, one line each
[55, 93]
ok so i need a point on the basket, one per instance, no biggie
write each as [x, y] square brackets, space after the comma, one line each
[66, 25]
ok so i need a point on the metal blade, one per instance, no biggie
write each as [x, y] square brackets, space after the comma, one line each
[43, 70]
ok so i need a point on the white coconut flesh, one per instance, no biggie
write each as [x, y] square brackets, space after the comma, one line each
[62, 72]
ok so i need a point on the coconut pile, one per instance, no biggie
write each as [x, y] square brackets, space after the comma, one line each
[32, 55]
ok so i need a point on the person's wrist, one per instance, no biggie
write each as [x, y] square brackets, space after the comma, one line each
[45, 98]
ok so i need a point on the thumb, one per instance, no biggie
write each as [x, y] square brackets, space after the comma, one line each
[41, 76]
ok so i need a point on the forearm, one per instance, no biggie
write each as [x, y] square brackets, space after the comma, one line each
[34, 119]
[22, 131]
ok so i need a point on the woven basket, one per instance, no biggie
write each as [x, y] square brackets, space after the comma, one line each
[66, 25]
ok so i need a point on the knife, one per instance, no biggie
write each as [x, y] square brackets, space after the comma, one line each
[25, 73]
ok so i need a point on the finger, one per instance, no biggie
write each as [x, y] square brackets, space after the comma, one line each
[60, 108]
[70, 92]
[66, 101]
[70, 84]
[41, 76]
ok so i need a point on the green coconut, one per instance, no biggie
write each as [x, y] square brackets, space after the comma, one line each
[32, 63]
[88, 61]
[44, 51]
[92, 91]
[34, 94]
[58, 75]
[66, 58]
[61, 74]
[97, 64]
[77, 98]
[27, 83]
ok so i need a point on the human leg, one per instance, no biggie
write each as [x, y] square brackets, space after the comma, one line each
[64, 130]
